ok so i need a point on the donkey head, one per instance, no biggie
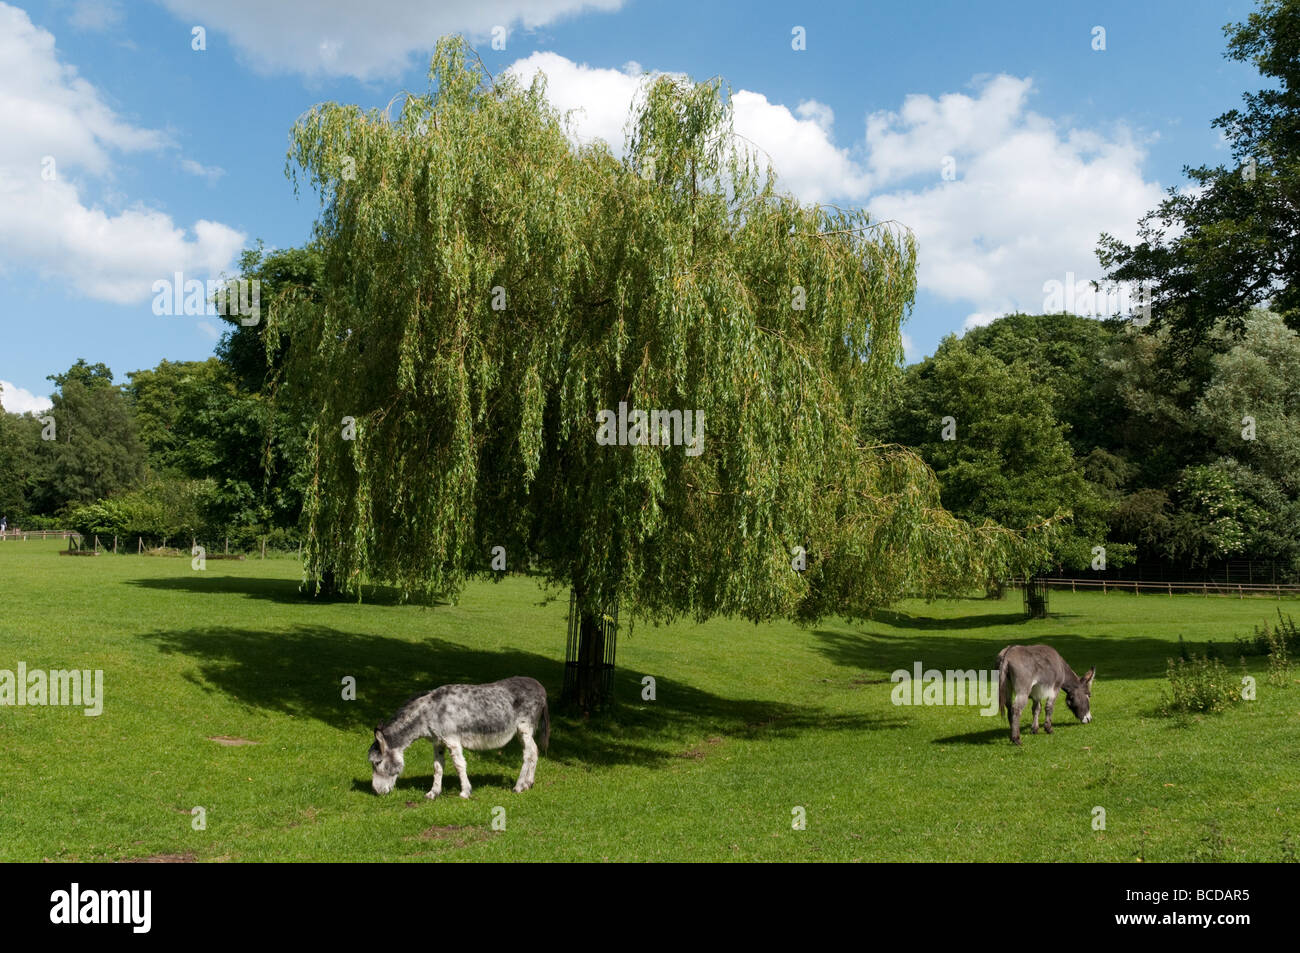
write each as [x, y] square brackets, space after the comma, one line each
[386, 761]
[1078, 695]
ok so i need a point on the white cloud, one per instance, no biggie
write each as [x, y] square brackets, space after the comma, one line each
[371, 40]
[910, 352]
[95, 16]
[980, 319]
[798, 146]
[210, 172]
[16, 400]
[1026, 205]
[57, 135]
[598, 101]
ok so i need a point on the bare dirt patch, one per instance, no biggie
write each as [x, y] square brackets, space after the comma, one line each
[700, 750]
[186, 858]
[232, 742]
[457, 835]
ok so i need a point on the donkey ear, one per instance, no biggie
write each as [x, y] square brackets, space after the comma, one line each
[1091, 672]
[379, 738]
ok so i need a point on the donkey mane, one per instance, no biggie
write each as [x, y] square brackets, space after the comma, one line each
[404, 727]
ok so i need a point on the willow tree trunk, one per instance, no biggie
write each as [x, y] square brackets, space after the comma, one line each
[591, 659]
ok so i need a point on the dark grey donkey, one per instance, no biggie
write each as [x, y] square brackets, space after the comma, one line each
[1039, 672]
[477, 717]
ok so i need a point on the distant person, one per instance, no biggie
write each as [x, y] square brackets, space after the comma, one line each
[4, 522]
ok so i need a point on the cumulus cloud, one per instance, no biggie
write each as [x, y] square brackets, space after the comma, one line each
[799, 145]
[95, 16]
[1025, 202]
[16, 400]
[57, 135]
[597, 102]
[209, 172]
[1000, 198]
[367, 41]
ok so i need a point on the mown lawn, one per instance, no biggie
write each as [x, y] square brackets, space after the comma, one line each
[749, 723]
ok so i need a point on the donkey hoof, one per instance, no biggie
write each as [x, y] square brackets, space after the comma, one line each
[465, 794]
[431, 795]
[1048, 730]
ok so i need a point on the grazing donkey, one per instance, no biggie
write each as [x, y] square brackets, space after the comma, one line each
[478, 717]
[1039, 672]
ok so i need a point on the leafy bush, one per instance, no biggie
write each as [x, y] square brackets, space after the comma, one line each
[1200, 685]
[159, 509]
[1279, 641]
[176, 510]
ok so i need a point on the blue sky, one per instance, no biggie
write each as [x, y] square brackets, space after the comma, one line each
[167, 158]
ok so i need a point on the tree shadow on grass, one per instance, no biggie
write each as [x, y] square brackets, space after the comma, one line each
[1119, 657]
[286, 591]
[904, 620]
[299, 672]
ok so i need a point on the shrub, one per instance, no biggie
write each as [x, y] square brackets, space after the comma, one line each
[1200, 684]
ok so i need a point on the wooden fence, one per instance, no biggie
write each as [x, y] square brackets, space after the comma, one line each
[1137, 587]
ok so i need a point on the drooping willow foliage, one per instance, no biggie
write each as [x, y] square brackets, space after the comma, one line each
[666, 279]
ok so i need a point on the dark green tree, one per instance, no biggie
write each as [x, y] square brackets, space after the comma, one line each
[19, 442]
[989, 431]
[95, 450]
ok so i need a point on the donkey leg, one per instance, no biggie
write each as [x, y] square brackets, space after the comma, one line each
[529, 767]
[458, 759]
[1048, 705]
[1037, 705]
[1013, 714]
[437, 771]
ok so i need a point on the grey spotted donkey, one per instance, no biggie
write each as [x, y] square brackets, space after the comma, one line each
[477, 717]
[1039, 672]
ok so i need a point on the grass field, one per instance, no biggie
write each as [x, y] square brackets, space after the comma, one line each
[749, 723]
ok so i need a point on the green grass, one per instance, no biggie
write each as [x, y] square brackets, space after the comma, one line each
[749, 722]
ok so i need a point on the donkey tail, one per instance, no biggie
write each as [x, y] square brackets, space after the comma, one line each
[545, 724]
[1002, 679]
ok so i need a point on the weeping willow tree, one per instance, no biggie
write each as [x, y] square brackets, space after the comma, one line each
[490, 287]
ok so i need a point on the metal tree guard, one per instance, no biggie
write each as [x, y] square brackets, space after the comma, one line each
[1036, 597]
[575, 667]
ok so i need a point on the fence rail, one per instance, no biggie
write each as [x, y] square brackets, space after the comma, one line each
[21, 534]
[1135, 586]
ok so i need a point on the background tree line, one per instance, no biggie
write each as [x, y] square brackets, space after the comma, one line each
[1187, 462]
[187, 448]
